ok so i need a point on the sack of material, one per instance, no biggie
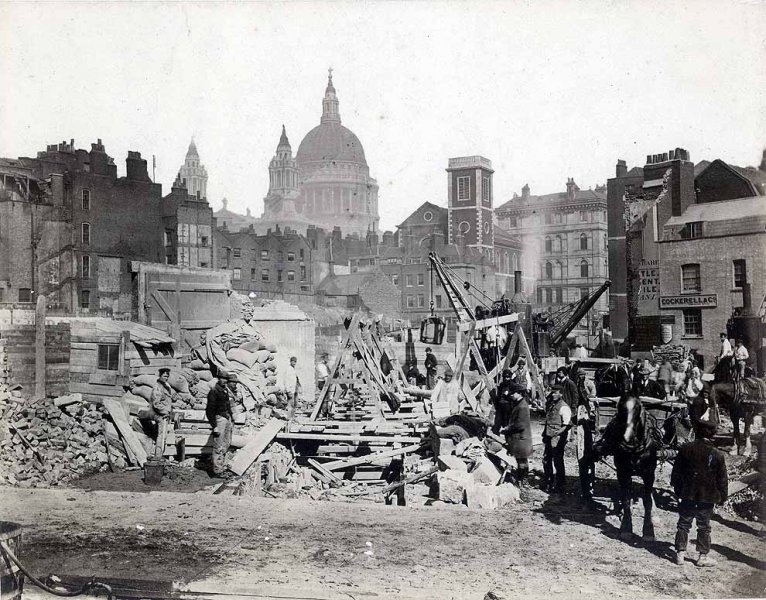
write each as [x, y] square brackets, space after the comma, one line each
[144, 391]
[242, 356]
[145, 379]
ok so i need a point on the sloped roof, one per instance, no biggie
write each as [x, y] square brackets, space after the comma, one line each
[143, 335]
[724, 210]
[438, 211]
[754, 176]
[350, 284]
[579, 196]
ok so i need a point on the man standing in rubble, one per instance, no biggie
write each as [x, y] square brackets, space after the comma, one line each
[586, 393]
[558, 420]
[162, 396]
[220, 401]
[291, 385]
[323, 372]
[431, 365]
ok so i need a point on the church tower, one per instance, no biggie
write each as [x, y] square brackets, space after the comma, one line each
[469, 204]
[283, 169]
[193, 173]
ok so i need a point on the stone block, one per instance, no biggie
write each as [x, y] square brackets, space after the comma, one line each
[486, 472]
[452, 485]
[450, 461]
[506, 495]
[481, 497]
[446, 447]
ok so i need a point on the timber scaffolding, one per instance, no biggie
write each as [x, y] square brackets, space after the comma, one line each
[363, 434]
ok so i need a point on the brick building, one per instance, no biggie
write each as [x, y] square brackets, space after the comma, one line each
[564, 237]
[640, 202]
[68, 213]
[706, 256]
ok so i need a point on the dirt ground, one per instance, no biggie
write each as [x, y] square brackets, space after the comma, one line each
[548, 546]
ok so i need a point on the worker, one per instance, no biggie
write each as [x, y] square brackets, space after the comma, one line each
[741, 356]
[568, 388]
[643, 386]
[579, 352]
[431, 365]
[522, 376]
[291, 385]
[694, 385]
[586, 425]
[726, 350]
[219, 413]
[665, 376]
[445, 397]
[512, 420]
[700, 481]
[558, 421]
[162, 396]
[322, 372]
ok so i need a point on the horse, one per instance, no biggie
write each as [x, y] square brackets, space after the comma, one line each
[745, 398]
[636, 442]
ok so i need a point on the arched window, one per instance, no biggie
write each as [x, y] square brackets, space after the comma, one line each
[548, 270]
[558, 270]
[548, 244]
[584, 268]
[515, 262]
[583, 241]
[557, 244]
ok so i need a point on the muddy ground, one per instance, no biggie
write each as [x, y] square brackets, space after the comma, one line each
[548, 546]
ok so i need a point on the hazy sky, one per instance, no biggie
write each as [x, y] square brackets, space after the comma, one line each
[546, 90]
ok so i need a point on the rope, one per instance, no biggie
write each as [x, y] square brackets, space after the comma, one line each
[87, 587]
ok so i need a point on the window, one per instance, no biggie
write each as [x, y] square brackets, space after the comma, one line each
[409, 280]
[237, 252]
[281, 256]
[85, 299]
[108, 357]
[303, 272]
[203, 241]
[690, 279]
[395, 279]
[25, 295]
[168, 237]
[415, 261]
[264, 255]
[583, 241]
[252, 273]
[463, 188]
[513, 222]
[548, 244]
[548, 270]
[85, 234]
[410, 301]
[548, 218]
[692, 230]
[264, 274]
[438, 299]
[291, 276]
[236, 274]
[486, 190]
[301, 255]
[693, 322]
[421, 300]
[584, 292]
[583, 216]
[183, 233]
[421, 279]
[428, 216]
[279, 275]
[291, 257]
[740, 273]
[558, 296]
[539, 295]
[86, 199]
[584, 268]
[85, 267]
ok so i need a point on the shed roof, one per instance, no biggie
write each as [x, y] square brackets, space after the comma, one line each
[724, 210]
[143, 335]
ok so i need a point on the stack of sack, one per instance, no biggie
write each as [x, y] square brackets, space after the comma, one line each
[182, 381]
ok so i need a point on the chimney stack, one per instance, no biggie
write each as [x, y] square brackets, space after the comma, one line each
[622, 168]
[517, 282]
[136, 167]
[525, 191]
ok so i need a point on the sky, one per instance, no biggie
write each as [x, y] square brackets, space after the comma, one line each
[546, 90]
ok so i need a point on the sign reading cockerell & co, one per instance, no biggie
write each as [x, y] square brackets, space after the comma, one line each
[696, 301]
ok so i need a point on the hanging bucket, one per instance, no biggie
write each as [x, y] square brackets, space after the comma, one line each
[11, 578]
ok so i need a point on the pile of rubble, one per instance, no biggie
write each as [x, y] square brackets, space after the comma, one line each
[44, 444]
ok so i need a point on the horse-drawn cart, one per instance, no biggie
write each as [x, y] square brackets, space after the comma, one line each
[606, 408]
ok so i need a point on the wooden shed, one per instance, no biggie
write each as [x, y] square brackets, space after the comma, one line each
[106, 354]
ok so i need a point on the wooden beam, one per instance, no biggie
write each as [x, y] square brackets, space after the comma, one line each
[322, 471]
[371, 459]
[115, 410]
[245, 457]
[372, 439]
[484, 323]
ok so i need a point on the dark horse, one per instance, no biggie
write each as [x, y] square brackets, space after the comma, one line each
[744, 398]
[635, 441]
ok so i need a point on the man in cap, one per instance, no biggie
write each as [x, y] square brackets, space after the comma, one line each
[445, 397]
[643, 386]
[431, 365]
[567, 386]
[512, 419]
[219, 413]
[162, 394]
[700, 481]
[558, 421]
[741, 355]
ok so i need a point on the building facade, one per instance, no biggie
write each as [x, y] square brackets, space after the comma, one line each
[564, 241]
[707, 256]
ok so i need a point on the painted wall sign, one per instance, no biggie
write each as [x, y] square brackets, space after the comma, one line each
[689, 301]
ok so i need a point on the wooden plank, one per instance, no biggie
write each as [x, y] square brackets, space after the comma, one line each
[372, 439]
[115, 410]
[322, 471]
[245, 457]
[371, 459]
[484, 323]
[199, 440]
[199, 415]
[97, 390]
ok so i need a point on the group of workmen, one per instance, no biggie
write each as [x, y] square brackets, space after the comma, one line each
[699, 476]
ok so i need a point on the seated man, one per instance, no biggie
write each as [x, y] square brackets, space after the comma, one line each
[160, 406]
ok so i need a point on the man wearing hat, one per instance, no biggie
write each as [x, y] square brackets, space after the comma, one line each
[220, 401]
[567, 386]
[512, 419]
[643, 386]
[558, 420]
[700, 481]
[586, 392]
[162, 394]
[431, 365]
